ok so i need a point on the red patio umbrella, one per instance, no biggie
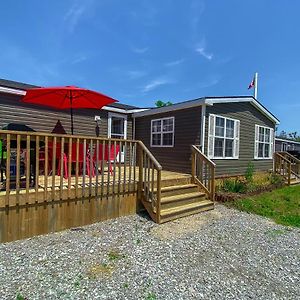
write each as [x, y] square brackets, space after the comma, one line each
[67, 97]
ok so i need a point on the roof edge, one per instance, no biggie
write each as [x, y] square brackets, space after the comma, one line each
[209, 101]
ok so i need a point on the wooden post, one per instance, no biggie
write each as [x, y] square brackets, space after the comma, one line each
[289, 174]
[7, 175]
[140, 165]
[158, 193]
[193, 166]
[18, 168]
[212, 192]
[28, 175]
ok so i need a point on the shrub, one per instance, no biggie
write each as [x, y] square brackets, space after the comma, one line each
[234, 186]
[276, 179]
[249, 172]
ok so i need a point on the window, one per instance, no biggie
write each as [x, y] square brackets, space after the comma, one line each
[162, 132]
[263, 142]
[223, 139]
[117, 126]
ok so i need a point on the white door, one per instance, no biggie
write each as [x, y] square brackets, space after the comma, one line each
[117, 129]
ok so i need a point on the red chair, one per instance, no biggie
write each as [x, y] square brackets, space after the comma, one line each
[58, 158]
[107, 155]
[81, 157]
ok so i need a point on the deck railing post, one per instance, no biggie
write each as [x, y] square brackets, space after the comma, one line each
[213, 170]
[158, 203]
[140, 165]
[203, 172]
[289, 173]
[193, 165]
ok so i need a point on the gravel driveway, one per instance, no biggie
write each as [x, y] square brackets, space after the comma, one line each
[221, 254]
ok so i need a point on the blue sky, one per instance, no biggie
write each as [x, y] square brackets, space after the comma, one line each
[142, 51]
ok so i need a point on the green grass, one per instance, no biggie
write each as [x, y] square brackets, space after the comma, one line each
[281, 205]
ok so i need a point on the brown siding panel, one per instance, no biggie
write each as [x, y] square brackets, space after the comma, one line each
[248, 116]
[187, 133]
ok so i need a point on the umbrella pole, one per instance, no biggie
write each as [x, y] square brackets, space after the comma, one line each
[71, 102]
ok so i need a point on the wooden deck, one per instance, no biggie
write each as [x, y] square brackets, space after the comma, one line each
[34, 199]
[125, 177]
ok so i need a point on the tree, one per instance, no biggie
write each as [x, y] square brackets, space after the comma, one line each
[283, 134]
[160, 103]
[293, 136]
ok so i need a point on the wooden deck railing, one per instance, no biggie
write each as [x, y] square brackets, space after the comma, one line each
[149, 183]
[37, 167]
[203, 172]
[287, 166]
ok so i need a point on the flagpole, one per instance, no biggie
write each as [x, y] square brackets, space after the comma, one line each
[255, 85]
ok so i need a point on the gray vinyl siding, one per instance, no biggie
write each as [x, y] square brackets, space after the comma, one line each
[187, 133]
[248, 116]
[43, 119]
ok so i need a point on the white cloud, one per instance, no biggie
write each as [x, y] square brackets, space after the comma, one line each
[79, 59]
[76, 12]
[154, 84]
[175, 62]
[140, 50]
[134, 74]
[202, 51]
[201, 48]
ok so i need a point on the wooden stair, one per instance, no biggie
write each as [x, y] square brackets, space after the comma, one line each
[181, 200]
[294, 180]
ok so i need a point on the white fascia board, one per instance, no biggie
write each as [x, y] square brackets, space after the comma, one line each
[253, 101]
[7, 90]
[173, 107]
[287, 141]
[121, 110]
[227, 100]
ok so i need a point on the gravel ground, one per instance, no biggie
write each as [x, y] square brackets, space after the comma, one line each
[221, 254]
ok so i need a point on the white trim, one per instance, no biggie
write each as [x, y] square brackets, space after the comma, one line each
[170, 108]
[270, 143]
[287, 141]
[124, 111]
[208, 101]
[234, 139]
[162, 132]
[12, 91]
[252, 100]
[110, 115]
[203, 120]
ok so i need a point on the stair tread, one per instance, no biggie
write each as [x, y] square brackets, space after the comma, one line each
[182, 197]
[176, 187]
[181, 208]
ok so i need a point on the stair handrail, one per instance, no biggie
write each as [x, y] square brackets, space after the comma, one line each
[149, 183]
[295, 163]
[203, 172]
[282, 166]
[289, 156]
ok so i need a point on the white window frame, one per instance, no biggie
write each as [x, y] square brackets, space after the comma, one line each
[162, 132]
[212, 136]
[257, 142]
[110, 116]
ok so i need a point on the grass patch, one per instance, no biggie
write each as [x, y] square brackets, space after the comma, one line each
[20, 297]
[115, 255]
[151, 296]
[281, 205]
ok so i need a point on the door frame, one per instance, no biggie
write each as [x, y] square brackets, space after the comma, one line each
[116, 115]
